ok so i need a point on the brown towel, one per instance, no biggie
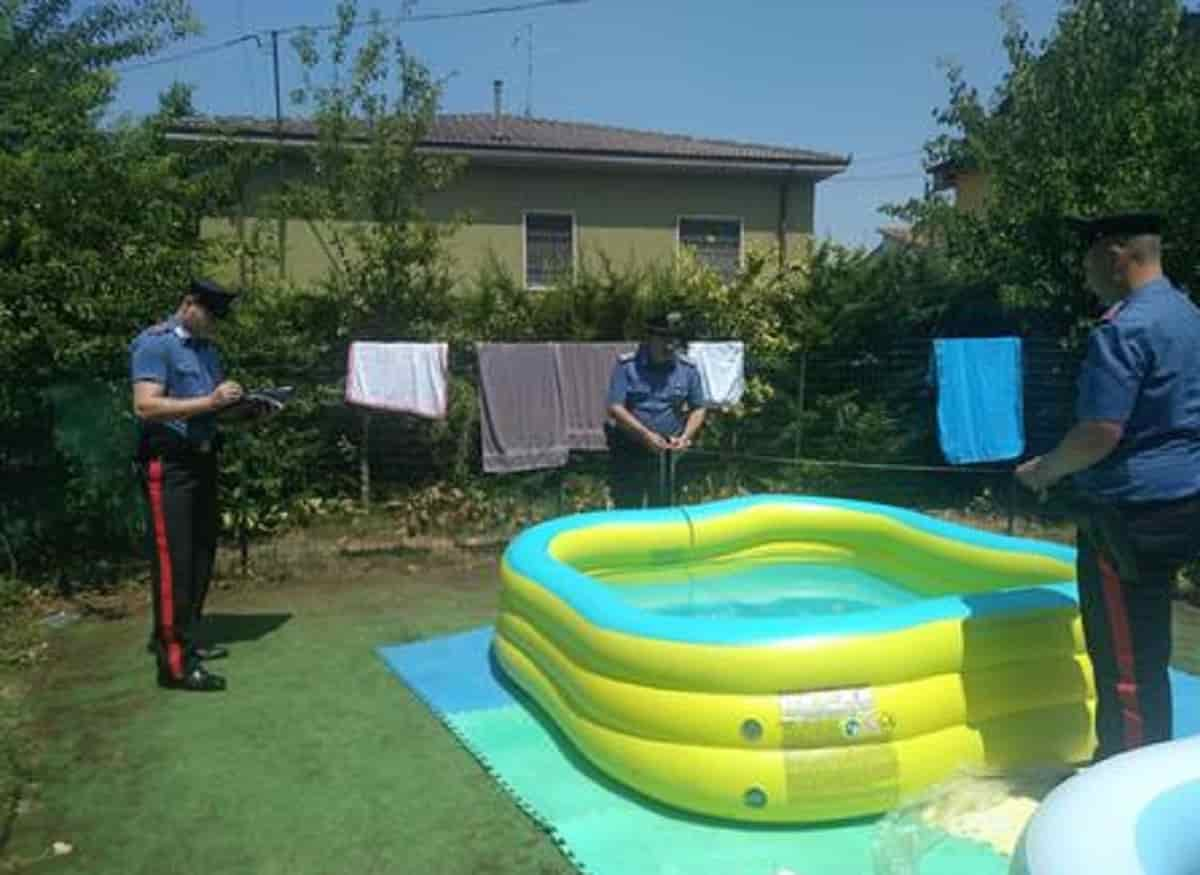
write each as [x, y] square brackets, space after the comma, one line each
[584, 370]
[520, 407]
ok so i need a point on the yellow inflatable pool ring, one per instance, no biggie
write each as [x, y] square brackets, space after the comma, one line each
[791, 659]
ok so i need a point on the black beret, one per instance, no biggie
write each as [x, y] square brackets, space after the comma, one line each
[214, 298]
[666, 325]
[1116, 225]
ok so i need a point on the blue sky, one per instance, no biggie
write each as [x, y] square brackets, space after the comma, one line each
[857, 77]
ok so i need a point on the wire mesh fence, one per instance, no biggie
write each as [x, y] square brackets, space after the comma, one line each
[861, 426]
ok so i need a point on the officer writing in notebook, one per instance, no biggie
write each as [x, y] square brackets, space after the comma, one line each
[1134, 454]
[179, 387]
[656, 404]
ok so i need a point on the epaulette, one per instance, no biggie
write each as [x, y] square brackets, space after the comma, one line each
[627, 356]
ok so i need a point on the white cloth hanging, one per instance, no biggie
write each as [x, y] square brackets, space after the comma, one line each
[399, 377]
[722, 366]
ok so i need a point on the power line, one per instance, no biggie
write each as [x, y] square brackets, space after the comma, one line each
[275, 32]
[194, 53]
[886, 177]
[442, 16]
[890, 156]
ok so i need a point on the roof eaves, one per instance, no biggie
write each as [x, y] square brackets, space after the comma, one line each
[509, 152]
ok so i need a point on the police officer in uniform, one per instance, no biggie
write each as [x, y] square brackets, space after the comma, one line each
[1134, 453]
[656, 402]
[179, 386]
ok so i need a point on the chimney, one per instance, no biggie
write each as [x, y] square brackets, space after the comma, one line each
[498, 109]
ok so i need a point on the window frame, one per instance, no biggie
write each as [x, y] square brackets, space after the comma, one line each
[712, 217]
[525, 214]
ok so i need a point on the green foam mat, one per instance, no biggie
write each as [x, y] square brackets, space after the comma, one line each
[607, 829]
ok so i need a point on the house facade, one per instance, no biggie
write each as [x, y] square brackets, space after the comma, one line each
[541, 195]
[968, 184]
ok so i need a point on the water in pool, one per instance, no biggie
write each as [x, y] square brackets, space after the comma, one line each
[780, 589]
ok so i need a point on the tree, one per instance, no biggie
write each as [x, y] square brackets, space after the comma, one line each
[1100, 116]
[88, 217]
[97, 231]
[368, 181]
[177, 101]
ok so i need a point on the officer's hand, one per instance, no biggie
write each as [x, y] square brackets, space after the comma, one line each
[1033, 475]
[680, 443]
[657, 442]
[225, 394]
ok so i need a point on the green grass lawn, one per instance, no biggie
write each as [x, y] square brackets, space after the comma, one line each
[316, 761]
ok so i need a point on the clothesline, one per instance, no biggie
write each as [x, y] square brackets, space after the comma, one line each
[540, 401]
[537, 401]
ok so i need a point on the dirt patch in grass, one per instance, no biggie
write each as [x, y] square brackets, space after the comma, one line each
[15, 756]
[22, 647]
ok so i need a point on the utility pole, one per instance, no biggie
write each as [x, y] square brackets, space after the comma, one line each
[281, 229]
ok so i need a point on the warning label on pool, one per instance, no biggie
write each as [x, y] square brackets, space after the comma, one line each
[868, 775]
[830, 716]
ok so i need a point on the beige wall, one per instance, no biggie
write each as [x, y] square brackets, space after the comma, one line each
[970, 191]
[631, 215]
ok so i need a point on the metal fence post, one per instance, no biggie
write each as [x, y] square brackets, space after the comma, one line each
[562, 489]
[799, 447]
[364, 463]
[1012, 503]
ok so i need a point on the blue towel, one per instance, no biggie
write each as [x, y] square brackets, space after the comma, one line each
[980, 412]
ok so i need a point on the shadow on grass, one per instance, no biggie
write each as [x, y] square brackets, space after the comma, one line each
[230, 628]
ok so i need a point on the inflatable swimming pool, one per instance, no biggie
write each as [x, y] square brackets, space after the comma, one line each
[791, 659]
[1137, 813]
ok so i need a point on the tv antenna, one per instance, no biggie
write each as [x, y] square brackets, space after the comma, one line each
[528, 38]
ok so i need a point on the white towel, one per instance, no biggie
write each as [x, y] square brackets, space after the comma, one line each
[722, 370]
[399, 377]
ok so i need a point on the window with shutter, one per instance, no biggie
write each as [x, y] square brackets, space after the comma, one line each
[549, 248]
[717, 243]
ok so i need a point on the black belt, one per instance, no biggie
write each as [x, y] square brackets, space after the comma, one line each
[1104, 524]
[161, 443]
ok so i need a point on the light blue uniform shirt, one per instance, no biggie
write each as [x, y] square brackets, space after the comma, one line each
[185, 366]
[1143, 370]
[656, 394]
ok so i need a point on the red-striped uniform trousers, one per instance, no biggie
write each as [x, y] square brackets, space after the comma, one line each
[1127, 623]
[181, 502]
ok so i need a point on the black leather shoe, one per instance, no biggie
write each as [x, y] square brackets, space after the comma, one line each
[195, 680]
[214, 652]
